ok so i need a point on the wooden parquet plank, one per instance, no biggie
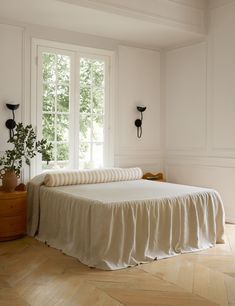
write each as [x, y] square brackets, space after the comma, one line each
[202, 275]
[66, 291]
[210, 284]
[9, 296]
[195, 278]
[157, 298]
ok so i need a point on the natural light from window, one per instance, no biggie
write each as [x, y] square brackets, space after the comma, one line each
[55, 115]
[91, 113]
[57, 109]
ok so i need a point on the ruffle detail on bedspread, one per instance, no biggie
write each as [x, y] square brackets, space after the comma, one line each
[117, 235]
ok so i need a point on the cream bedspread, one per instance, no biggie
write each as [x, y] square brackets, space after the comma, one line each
[115, 225]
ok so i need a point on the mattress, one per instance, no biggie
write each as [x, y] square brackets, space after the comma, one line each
[120, 224]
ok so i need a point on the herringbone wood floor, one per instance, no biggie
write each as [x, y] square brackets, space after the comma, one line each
[33, 274]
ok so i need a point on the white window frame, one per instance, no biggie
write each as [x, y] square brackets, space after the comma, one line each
[41, 50]
[75, 52]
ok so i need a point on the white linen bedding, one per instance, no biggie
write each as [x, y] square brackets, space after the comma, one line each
[119, 224]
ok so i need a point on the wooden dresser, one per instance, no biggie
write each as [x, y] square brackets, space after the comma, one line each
[12, 215]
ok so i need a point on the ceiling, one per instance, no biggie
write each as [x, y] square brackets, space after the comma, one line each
[81, 18]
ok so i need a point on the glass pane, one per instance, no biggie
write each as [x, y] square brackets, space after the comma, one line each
[48, 97]
[49, 67]
[48, 127]
[98, 155]
[85, 72]
[63, 98]
[85, 128]
[98, 73]
[98, 101]
[63, 68]
[62, 151]
[85, 156]
[62, 127]
[85, 100]
[56, 70]
[98, 128]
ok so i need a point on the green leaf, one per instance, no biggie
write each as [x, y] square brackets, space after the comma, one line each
[24, 149]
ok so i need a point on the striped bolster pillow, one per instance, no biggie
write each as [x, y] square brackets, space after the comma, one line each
[92, 176]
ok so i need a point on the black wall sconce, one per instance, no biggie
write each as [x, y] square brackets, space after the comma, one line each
[138, 122]
[10, 123]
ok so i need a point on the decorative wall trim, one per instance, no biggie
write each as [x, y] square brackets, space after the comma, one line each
[194, 19]
[218, 3]
[183, 149]
[139, 151]
[209, 172]
[201, 147]
[199, 4]
[147, 156]
[185, 44]
[211, 62]
[197, 161]
[14, 90]
[146, 162]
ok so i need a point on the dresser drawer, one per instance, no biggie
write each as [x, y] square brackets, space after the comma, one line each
[12, 226]
[12, 207]
[12, 214]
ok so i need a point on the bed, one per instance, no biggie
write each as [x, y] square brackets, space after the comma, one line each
[118, 224]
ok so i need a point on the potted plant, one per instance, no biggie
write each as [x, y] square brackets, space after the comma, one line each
[25, 147]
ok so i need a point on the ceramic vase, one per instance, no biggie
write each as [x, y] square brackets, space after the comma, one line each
[9, 181]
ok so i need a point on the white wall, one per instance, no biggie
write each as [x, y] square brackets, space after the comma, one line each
[138, 81]
[200, 110]
[186, 98]
[10, 76]
[139, 85]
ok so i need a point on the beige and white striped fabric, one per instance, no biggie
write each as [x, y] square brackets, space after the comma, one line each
[92, 176]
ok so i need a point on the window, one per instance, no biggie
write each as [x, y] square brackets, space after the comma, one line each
[56, 106]
[73, 106]
[92, 113]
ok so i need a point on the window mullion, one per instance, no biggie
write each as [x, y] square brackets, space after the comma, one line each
[91, 141]
[76, 108]
[56, 90]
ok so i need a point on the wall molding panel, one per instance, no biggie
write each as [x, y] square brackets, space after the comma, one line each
[138, 85]
[199, 4]
[218, 3]
[220, 177]
[186, 99]
[213, 163]
[222, 77]
[176, 13]
[11, 83]
[147, 162]
[200, 161]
